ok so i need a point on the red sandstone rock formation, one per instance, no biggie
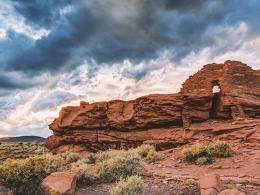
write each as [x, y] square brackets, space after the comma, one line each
[160, 119]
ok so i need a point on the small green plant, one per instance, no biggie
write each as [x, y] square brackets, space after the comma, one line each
[85, 172]
[106, 155]
[144, 149]
[194, 152]
[220, 149]
[70, 157]
[122, 165]
[132, 185]
[152, 156]
[41, 150]
[203, 160]
[189, 182]
[146, 152]
[201, 155]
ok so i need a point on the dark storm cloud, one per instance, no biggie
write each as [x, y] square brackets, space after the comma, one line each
[52, 99]
[39, 12]
[8, 82]
[109, 31]
[184, 4]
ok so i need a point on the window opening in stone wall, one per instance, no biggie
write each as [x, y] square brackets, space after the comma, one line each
[216, 90]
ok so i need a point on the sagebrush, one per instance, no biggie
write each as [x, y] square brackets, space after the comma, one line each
[201, 155]
[19, 174]
[132, 185]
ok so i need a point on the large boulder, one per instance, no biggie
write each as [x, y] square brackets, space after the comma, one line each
[62, 183]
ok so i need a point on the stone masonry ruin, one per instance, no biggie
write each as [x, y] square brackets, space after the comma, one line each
[228, 91]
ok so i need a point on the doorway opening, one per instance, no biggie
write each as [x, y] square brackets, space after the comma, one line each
[216, 90]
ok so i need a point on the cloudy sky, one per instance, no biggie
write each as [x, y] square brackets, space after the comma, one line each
[57, 52]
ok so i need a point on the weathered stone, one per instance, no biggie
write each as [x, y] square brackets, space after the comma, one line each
[63, 183]
[161, 119]
[231, 192]
[210, 184]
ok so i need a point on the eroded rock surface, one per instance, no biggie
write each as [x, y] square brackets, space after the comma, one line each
[165, 119]
[210, 184]
[63, 183]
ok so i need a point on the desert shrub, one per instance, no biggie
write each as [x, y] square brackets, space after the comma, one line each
[121, 165]
[201, 155]
[91, 159]
[152, 156]
[41, 150]
[194, 152]
[146, 152]
[70, 157]
[220, 149]
[106, 155]
[21, 150]
[85, 172]
[189, 182]
[203, 160]
[144, 149]
[133, 185]
[24, 176]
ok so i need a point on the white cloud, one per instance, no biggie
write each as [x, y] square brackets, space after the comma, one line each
[117, 82]
[11, 21]
[2, 33]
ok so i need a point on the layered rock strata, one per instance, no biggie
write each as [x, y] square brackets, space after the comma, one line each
[217, 92]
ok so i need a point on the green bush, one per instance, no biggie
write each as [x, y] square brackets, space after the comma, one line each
[194, 152]
[220, 149]
[85, 172]
[24, 176]
[133, 185]
[121, 165]
[41, 150]
[146, 152]
[203, 160]
[200, 155]
[144, 149]
[106, 155]
[189, 182]
[152, 156]
[111, 165]
[70, 157]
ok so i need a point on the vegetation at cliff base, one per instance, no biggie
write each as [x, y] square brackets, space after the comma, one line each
[201, 155]
[220, 149]
[23, 176]
[132, 185]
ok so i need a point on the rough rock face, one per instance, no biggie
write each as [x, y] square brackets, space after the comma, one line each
[228, 91]
[63, 183]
